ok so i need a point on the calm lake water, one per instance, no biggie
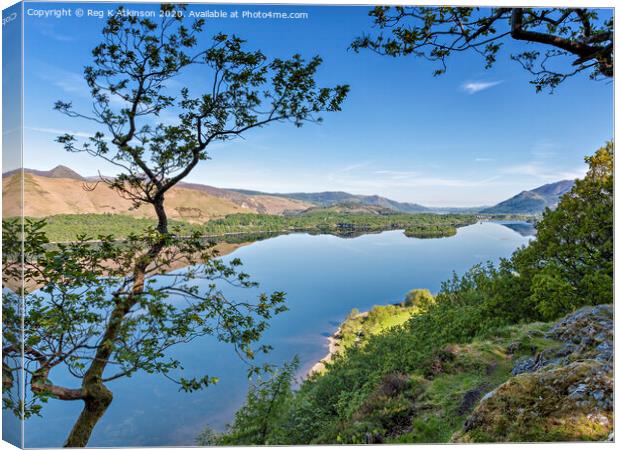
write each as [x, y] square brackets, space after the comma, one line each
[324, 278]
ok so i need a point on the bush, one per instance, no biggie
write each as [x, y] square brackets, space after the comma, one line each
[416, 297]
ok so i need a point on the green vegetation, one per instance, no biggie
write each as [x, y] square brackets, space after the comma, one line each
[578, 36]
[419, 381]
[415, 296]
[434, 231]
[358, 327]
[333, 222]
[66, 227]
[403, 405]
[97, 314]
[63, 228]
[266, 404]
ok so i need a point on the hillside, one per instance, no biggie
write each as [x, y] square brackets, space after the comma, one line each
[350, 208]
[61, 191]
[57, 172]
[534, 201]
[521, 351]
[329, 198]
[536, 382]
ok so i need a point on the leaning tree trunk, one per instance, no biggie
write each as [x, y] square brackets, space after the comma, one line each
[98, 398]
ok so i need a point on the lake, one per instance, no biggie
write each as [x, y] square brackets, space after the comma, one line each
[324, 277]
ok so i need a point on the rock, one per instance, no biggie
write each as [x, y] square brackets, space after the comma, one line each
[535, 407]
[488, 395]
[585, 334]
[598, 419]
[562, 393]
[524, 365]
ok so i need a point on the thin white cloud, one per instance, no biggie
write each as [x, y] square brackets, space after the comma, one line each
[484, 159]
[354, 167]
[545, 149]
[69, 82]
[73, 83]
[541, 172]
[53, 30]
[397, 174]
[60, 132]
[381, 179]
[473, 87]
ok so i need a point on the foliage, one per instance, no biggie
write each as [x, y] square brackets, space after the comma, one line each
[571, 261]
[569, 40]
[72, 288]
[421, 404]
[133, 66]
[266, 405]
[417, 297]
[430, 232]
[408, 383]
[358, 327]
[65, 227]
[105, 311]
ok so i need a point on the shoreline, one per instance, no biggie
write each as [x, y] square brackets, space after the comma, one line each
[334, 341]
[333, 346]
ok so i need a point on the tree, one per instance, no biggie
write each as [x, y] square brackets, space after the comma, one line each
[98, 310]
[570, 40]
[570, 263]
[418, 297]
[259, 420]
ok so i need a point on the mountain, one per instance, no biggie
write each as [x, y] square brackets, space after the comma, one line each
[331, 198]
[350, 208]
[534, 201]
[57, 172]
[61, 191]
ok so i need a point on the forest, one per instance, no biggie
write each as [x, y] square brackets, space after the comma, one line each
[64, 228]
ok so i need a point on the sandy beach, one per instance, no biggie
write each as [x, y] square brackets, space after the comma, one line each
[333, 347]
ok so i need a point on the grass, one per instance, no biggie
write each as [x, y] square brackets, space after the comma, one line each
[444, 391]
[359, 326]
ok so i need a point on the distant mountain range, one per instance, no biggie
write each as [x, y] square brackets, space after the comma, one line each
[527, 202]
[327, 199]
[534, 201]
[60, 191]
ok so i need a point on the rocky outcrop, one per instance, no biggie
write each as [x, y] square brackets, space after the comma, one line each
[563, 393]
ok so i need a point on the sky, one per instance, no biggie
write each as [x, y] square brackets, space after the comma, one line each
[467, 138]
[11, 88]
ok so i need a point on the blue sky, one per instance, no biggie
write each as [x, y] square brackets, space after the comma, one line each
[11, 88]
[470, 137]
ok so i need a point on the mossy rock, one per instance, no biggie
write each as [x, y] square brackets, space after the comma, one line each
[569, 403]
